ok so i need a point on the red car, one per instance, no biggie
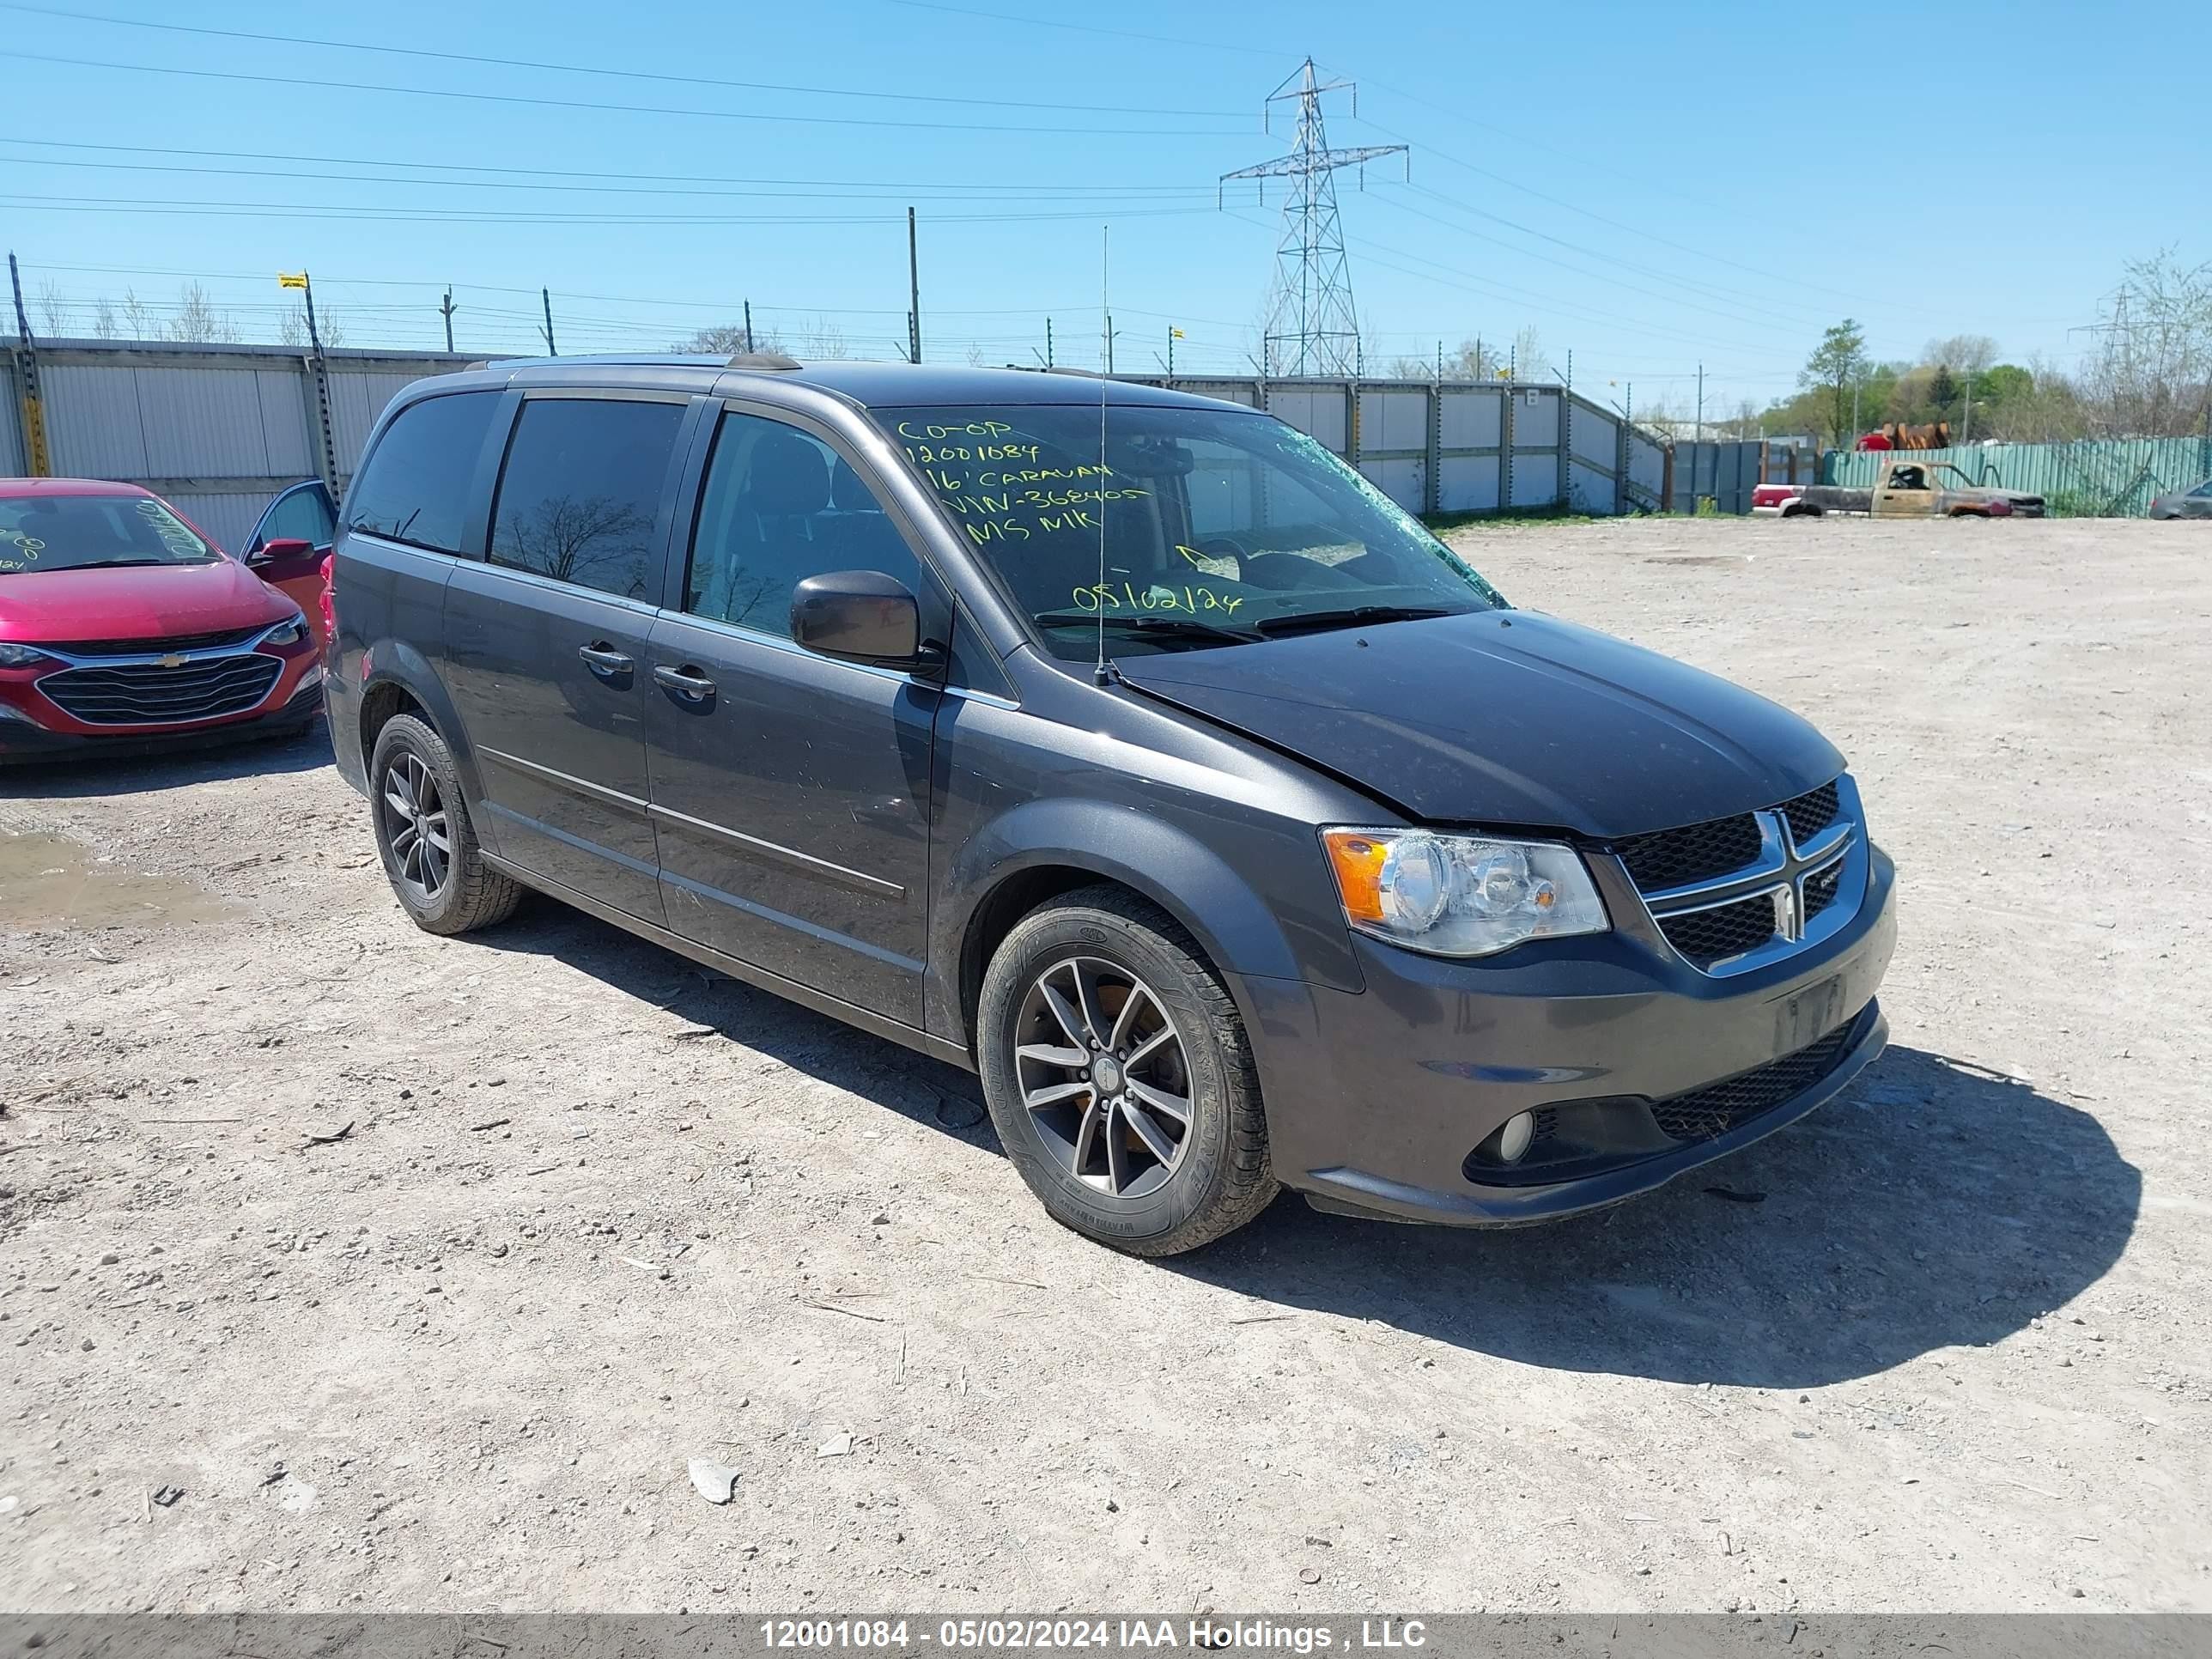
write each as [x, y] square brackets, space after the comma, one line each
[124, 630]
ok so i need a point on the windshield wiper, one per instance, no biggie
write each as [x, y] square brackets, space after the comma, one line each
[1350, 618]
[1188, 627]
[118, 565]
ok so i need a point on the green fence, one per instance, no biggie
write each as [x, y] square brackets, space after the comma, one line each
[2112, 478]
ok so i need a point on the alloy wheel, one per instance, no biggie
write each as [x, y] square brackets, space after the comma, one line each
[1104, 1076]
[416, 826]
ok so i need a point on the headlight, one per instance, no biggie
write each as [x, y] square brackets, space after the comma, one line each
[1460, 896]
[20, 656]
[290, 633]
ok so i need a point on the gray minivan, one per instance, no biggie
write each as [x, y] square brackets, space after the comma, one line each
[1124, 746]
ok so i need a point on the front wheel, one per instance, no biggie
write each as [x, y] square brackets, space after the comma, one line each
[1119, 1078]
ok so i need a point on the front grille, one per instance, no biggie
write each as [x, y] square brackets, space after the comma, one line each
[153, 647]
[1821, 887]
[147, 694]
[1720, 1106]
[1726, 930]
[1810, 814]
[1697, 852]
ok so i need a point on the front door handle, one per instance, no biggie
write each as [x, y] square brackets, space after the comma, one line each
[687, 682]
[604, 660]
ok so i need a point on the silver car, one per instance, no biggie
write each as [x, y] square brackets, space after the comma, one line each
[2184, 503]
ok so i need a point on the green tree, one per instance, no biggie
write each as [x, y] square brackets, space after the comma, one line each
[1834, 369]
[1943, 391]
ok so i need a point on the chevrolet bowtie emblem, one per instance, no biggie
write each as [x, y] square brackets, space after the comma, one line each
[174, 660]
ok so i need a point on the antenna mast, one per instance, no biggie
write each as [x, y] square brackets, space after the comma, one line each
[1312, 328]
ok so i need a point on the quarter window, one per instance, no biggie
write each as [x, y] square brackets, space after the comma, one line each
[779, 506]
[416, 486]
[582, 489]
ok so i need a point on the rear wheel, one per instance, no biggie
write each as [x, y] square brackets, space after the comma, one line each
[1120, 1078]
[431, 855]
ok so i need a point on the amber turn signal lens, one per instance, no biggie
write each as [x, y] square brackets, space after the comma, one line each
[1356, 860]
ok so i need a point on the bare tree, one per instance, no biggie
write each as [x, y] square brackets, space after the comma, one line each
[291, 328]
[825, 339]
[1964, 354]
[103, 318]
[196, 320]
[2153, 378]
[1529, 362]
[139, 315]
[53, 307]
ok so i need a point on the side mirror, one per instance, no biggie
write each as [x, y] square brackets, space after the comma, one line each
[860, 615]
[285, 547]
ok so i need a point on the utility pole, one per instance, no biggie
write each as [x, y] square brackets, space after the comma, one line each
[320, 373]
[1966, 409]
[544, 294]
[1311, 315]
[1109, 343]
[1048, 342]
[748, 325]
[1701, 402]
[35, 455]
[913, 293]
[446, 310]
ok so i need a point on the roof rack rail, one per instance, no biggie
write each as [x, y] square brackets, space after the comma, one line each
[768, 360]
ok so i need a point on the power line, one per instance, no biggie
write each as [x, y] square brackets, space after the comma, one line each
[1039, 194]
[325, 85]
[1091, 28]
[170, 206]
[595, 68]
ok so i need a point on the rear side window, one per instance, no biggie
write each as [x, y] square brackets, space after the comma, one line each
[581, 492]
[416, 486]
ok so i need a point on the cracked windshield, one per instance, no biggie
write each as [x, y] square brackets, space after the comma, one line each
[1218, 528]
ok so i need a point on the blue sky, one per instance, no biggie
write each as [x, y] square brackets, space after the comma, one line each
[1652, 187]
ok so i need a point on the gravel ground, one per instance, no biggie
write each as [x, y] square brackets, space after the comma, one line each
[591, 1213]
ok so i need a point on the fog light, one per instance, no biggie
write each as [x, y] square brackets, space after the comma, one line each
[1513, 1140]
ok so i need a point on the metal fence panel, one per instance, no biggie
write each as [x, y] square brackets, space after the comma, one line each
[1595, 436]
[1535, 419]
[1472, 419]
[1405, 482]
[2107, 477]
[1317, 412]
[202, 422]
[229, 516]
[93, 425]
[1647, 463]
[1393, 420]
[1588, 490]
[1535, 479]
[1467, 483]
[12, 455]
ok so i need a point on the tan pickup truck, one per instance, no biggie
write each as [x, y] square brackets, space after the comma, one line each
[1904, 488]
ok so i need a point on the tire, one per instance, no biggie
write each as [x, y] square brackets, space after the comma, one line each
[1216, 1175]
[467, 893]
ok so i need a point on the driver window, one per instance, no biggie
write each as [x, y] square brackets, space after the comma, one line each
[303, 514]
[1907, 478]
[780, 506]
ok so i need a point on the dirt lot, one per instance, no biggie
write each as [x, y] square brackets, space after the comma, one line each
[598, 1213]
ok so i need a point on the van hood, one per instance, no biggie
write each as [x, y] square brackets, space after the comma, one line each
[132, 602]
[1506, 718]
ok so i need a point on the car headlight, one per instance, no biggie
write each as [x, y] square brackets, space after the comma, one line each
[20, 656]
[1460, 896]
[290, 633]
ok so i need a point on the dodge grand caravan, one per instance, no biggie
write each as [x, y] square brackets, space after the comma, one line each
[1124, 746]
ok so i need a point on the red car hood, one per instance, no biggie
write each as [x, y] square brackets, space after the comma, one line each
[133, 602]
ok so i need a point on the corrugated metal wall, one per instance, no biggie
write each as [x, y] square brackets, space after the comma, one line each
[1722, 473]
[220, 429]
[2106, 479]
[216, 430]
[1466, 447]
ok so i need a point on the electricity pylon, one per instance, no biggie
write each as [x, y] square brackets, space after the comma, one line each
[1311, 327]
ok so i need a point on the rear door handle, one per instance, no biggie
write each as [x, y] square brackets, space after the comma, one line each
[687, 682]
[605, 662]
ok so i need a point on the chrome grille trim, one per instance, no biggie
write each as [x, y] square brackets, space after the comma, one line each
[1779, 875]
[137, 688]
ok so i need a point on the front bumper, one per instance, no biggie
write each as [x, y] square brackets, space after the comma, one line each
[1377, 1099]
[26, 735]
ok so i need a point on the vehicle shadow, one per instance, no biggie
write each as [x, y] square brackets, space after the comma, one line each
[1934, 1205]
[929, 1091]
[130, 774]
